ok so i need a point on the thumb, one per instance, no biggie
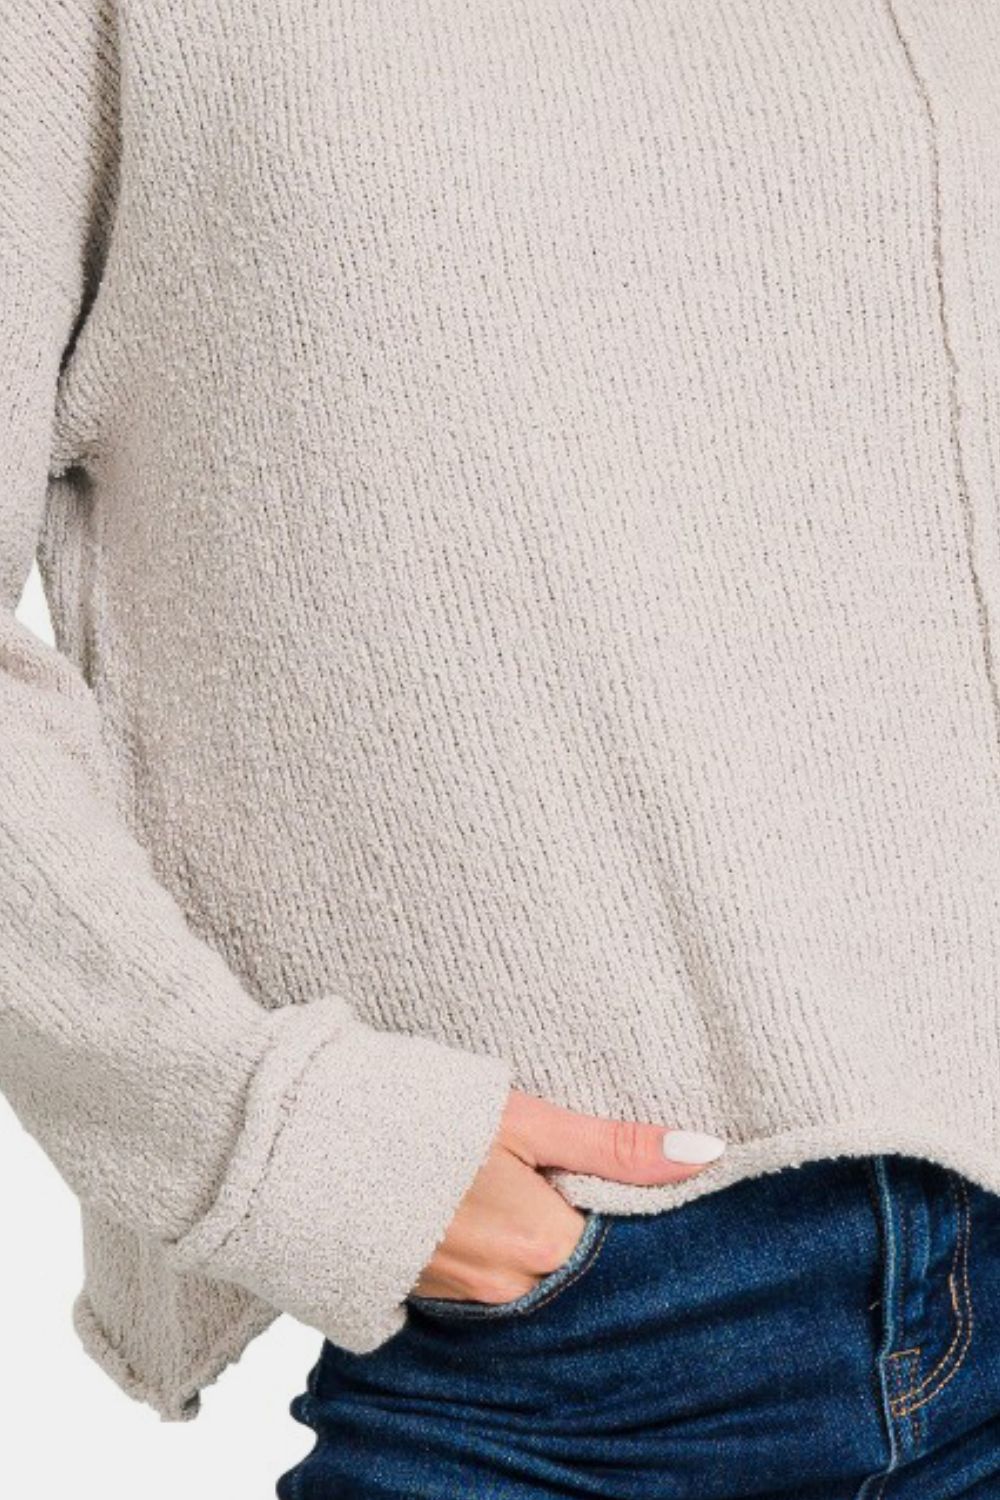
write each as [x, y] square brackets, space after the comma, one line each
[547, 1135]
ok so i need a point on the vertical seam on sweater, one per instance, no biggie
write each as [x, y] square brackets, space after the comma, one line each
[954, 397]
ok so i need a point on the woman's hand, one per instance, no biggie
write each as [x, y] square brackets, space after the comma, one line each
[512, 1227]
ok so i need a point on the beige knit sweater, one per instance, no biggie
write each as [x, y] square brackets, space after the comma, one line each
[518, 487]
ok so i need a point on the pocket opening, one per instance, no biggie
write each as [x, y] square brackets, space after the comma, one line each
[551, 1285]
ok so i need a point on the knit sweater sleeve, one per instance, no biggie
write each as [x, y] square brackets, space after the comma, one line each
[293, 1150]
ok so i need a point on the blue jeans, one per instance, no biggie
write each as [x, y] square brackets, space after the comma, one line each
[826, 1332]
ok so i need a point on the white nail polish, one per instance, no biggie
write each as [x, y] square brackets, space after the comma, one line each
[693, 1147]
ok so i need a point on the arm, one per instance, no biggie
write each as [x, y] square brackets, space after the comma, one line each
[295, 1152]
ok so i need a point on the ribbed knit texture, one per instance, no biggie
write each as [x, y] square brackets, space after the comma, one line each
[517, 488]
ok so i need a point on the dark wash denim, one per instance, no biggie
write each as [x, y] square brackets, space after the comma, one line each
[830, 1330]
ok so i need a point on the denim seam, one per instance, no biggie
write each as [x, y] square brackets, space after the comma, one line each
[522, 1307]
[914, 1415]
[952, 1360]
[587, 1265]
[894, 1378]
[892, 1381]
[886, 1220]
[917, 1415]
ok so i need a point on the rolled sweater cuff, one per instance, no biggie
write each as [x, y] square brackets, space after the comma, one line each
[358, 1147]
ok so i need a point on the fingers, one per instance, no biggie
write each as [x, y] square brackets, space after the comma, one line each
[511, 1228]
[547, 1135]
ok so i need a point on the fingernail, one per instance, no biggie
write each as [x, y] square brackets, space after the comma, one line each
[693, 1147]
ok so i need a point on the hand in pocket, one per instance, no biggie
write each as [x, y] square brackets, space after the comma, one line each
[512, 1227]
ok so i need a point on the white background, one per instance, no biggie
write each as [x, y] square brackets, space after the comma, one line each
[65, 1429]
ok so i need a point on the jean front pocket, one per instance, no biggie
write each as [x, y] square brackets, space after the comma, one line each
[553, 1284]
